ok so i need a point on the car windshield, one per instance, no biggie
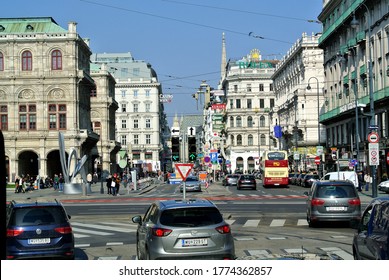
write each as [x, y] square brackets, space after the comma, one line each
[191, 217]
[191, 179]
[336, 191]
[38, 216]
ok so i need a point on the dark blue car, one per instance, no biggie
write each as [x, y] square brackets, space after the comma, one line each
[38, 230]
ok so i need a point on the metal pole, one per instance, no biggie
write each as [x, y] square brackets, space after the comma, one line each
[102, 162]
[356, 113]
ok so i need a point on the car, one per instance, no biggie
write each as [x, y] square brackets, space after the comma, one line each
[246, 181]
[192, 184]
[332, 201]
[38, 229]
[342, 175]
[308, 180]
[183, 229]
[384, 186]
[371, 241]
[290, 179]
[230, 180]
[299, 179]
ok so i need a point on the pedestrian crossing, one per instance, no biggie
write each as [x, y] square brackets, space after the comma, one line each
[235, 196]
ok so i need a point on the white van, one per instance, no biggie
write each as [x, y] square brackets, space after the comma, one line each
[343, 175]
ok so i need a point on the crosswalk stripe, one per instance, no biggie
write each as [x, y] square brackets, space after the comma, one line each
[76, 230]
[251, 223]
[230, 222]
[277, 223]
[104, 227]
[339, 252]
[302, 222]
[79, 235]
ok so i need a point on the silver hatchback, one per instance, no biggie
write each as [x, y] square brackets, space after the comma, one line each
[332, 201]
[183, 229]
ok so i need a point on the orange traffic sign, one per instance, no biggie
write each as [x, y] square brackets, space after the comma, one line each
[184, 169]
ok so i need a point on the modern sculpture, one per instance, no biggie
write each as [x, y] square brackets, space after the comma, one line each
[70, 187]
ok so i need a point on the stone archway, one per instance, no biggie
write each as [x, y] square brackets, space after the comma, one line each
[239, 164]
[28, 163]
[250, 164]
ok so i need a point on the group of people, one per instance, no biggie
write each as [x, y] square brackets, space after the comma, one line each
[29, 183]
[113, 184]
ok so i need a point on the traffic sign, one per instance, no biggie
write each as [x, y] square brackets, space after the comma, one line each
[184, 169]
[373, 137]
[191, 131]
[175, 131]
[317, 160]
[374, 154]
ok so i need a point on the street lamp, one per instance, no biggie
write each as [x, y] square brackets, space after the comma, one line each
[354, 24]
[356, 110]
[318, 115]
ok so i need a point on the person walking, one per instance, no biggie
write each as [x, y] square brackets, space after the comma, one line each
[89, 180]
[56, 182]
[109, 182]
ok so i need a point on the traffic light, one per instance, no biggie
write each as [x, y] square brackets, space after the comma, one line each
[175, 149]
[192, 149]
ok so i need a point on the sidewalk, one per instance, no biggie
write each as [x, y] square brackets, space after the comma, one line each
[215, 189]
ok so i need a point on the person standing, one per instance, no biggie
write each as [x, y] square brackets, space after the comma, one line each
[89, 180]
[367, 181]
[61, 182]
[56, 182]
[109, 182]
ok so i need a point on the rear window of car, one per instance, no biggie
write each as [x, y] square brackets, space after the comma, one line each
[191, 217]
[191, 179]
[336, 191]
[247, 177]
[37, 216]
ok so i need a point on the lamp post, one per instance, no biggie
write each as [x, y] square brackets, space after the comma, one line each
[356, 110]
[354, 23]
[318, 115]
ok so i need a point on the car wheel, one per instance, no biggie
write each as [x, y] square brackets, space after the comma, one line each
[310, 222]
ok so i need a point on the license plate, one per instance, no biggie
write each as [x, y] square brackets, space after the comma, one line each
[336, 208]
[39, 241]
[194, 242]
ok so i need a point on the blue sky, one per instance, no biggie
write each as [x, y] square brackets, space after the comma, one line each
[181, 39]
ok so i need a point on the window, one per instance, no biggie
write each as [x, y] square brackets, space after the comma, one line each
[136, 123]
[136, 139]
[239, 122]
[147, 107]
[26, 61]
[232, 140]
[123, 140]
[261, 87]
[148, 139]
[271, 102]
[136, 108]
[239, 140]
[250, 140]
[271, 87]
[150, 156]
[231, 121]
[136, 72]
[4, 117]
[27, 117]
[1, 62]
[235, 88]
[123, 92]
[93, 92]
[57, 116]
[148, 123]
[238, 103]
[248, 87]
[262, 121]
[124, 107]
[56, 60]
[263, 140]
[249, 104]
[136, 93]
[231, 104]
[250, 122]
[147, 93]
[124, 123]
[261, 103]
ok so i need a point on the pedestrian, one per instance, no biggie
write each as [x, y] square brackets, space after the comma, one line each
[367, 181]
[89, 180]
[56, 182]
[61, 182]
[360, 181]
[109, 182]
[95, 178]
[113, 185]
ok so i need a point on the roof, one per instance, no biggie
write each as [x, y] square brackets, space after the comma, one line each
[169, 204]
[30, 25]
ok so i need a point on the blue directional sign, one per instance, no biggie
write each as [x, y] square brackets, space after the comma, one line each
[214, 157]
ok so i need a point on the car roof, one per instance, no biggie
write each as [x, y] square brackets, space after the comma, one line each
[35, 202]
[184, 203]
[379, 200]
[334, 182]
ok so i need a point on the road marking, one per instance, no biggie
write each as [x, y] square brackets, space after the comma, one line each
[295, 251]
[76, 229]
[251, 223]
[276, 238]
[230, 222]
[277, 223]
[114, 243]
[302, 222]
[339, 252]
[96, 226]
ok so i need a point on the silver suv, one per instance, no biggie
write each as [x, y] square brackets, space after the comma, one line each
[183, 229]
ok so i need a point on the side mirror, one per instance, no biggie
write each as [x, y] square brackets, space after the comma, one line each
[306, 193]
[137, 220]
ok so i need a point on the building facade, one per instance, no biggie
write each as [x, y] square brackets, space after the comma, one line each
[356, 68]
[298, 85]
[45, 87]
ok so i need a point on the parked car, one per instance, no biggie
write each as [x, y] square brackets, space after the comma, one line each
[290, 180]
[343, 175]
[331, 201]
[308, 180]
[299, 179]
[246, 181]
[192, 184]
[230, 180]
[293, 180]
[38, 230]
[372, 238]
[183, 229]
[384, 186]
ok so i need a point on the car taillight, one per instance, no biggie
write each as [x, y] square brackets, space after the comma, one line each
[64, 230]
[161, 232]
[224, 229]
[14, 232]
[354, 201]
[317, 202]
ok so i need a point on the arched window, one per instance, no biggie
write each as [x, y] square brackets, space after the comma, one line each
[231, 121]
[239, 122]
[250, 121]
[232, 140]
[250, 141]
[56, 60]
[239, 140]
[263, 139]
[262, 121]
[26, 61]
[1, 62]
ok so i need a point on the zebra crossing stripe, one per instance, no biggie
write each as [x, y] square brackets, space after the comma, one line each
[102, 227]
[76, 230]
[302, 222]
[79, 235]
[295, 251]
[277, 223]
[230, 222]
[339, 252]
[251, 223]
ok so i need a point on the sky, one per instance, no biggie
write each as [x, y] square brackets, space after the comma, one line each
[181, 39]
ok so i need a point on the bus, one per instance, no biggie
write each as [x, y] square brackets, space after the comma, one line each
[275, 169]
